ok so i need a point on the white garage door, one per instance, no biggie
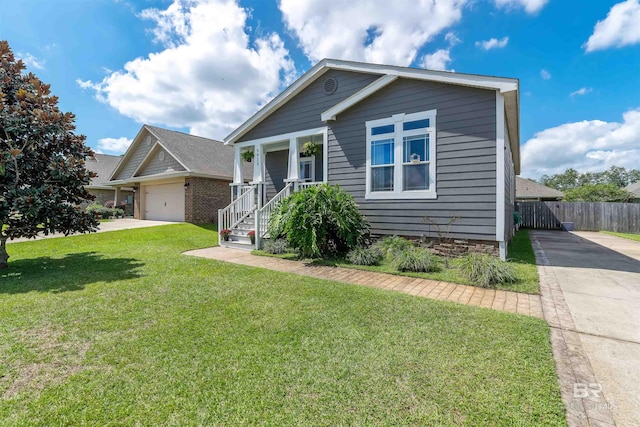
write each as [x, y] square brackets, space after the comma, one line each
[164, 202]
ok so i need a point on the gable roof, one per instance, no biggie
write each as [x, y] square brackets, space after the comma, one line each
[634, 188]
[199, 156]
[527, 189]
[509, 87]
[103, 165]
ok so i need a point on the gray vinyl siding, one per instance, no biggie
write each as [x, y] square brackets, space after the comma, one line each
[465, 151]
[509, 188]
[136, 157]
[154, 166]
[465, 155]
[276, 168]
[303, 111]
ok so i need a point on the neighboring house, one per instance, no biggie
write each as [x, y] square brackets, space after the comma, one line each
[529, 191]
[176, 176]
[635, 190]
[406, 143]
[103, 165]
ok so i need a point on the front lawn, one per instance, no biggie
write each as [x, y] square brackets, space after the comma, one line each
[630, 236]
[119, 328]
[521, 257]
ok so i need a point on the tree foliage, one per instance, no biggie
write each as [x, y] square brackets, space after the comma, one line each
[597, 193]
[42, 160]
[319, 221]
[571, 178]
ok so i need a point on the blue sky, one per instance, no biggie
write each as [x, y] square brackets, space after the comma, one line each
[205, 66]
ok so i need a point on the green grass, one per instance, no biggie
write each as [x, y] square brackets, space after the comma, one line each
[629, 236]
[521, 256]
[119, 328]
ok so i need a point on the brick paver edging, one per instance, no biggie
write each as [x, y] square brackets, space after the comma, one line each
[572, 364]
[512, 302]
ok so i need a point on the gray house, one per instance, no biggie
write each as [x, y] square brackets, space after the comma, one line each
[635, 190]
[530, 191]
[175, 176]
[414, 147]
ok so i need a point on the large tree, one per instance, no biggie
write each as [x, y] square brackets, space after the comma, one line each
[42, 160]
[598, 193]
[571, 178]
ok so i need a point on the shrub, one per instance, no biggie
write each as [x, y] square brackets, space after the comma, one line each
[391, 246]
[319, 221]
[486, 270]
[416, 259]
[97, 209]
[365, 256]
[276, 246]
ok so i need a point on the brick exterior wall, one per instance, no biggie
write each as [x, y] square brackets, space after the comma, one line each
[136, 203]
[203, 198]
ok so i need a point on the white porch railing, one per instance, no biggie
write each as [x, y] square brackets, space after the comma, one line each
[303, 185]
[239, 209]
[263, 215]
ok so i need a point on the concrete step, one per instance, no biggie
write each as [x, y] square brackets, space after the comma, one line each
[237, 245]
[239, 238]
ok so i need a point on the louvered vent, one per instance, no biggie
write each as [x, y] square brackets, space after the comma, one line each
[330, 86]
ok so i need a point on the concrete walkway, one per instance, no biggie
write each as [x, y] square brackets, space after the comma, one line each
[590, 284]
[512, 302]
[113, 225]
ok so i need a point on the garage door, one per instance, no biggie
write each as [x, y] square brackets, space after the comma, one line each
[164, 202]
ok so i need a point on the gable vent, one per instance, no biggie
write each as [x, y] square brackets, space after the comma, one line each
[329, 86]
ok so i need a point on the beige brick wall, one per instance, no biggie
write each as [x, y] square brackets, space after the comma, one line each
[136, 203]
[203, 198]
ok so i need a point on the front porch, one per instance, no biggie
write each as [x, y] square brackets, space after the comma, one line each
[281, 165]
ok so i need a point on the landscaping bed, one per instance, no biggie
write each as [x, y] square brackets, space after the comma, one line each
[521, 259]
[119, 328]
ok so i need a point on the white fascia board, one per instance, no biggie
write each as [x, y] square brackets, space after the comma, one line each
[486, 82]
[304, 81]
[158, 177]
[363, 93]
[500, 172]
[282, 137]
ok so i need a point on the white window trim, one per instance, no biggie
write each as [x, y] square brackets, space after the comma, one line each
[397, 120]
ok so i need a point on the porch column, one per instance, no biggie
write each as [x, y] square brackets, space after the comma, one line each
[258, 178]
[237, 166]
[116, 198]
[294, 169]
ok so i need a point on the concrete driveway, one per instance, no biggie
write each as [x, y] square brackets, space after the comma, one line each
[112, 225]
[599, 279]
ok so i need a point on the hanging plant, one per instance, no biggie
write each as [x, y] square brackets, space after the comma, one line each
[310, 148]
[247, 156]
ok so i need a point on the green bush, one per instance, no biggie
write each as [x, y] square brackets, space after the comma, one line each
[276, 246]
[486, 270]
[319, 221]
[416, 259]
[365, 256]
[391, 246]
[97, 209]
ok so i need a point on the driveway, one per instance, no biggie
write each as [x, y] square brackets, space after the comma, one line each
[599, 279]
[112, 225]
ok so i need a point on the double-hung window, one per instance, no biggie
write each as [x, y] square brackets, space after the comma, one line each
[401, 156]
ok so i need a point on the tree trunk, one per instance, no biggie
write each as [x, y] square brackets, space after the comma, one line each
[4, 256]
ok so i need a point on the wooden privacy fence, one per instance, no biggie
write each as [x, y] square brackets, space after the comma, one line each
[587, 216]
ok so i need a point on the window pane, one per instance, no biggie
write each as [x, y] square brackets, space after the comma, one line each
[379, 130]
[416, 177]
[305, 169]
[416, 148]
[382, 179]
[416, 124]
[382, 152]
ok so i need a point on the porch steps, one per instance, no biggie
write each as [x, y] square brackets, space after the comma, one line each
[239, 238]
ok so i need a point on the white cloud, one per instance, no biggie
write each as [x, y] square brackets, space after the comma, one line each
[531, 6]
[113, 145]
[621, 27]
[581, 91]
[438, 60]
[493, 43]
[589, 145]
[452, 38]
[381, 32]
[209, 77]
[545, 74]
[31, 60]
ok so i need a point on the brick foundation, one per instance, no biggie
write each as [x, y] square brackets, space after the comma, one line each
[460, 247]
[203, 198]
